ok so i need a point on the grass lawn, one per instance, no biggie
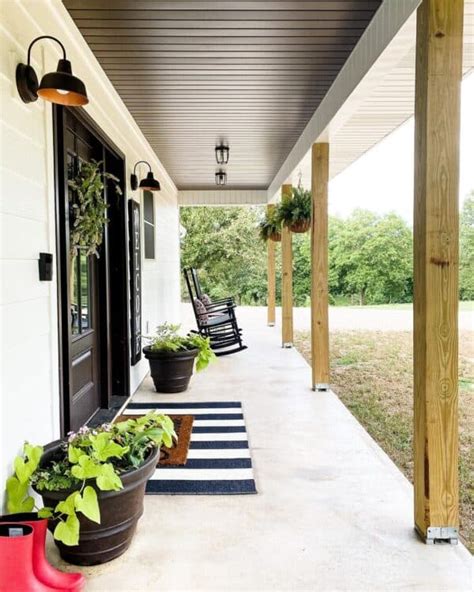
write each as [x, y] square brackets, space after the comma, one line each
[372, 374]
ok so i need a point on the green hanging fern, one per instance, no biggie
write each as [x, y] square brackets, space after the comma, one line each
[297, 209]
[270, 227]
[89, 208]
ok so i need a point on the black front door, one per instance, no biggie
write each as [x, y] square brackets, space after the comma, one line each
[94, 342]
[84, 334]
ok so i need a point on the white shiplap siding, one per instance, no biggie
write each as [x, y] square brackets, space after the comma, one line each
[29, 403]
[222, 197]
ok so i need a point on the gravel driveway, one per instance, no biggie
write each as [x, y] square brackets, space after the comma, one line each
[341, 318]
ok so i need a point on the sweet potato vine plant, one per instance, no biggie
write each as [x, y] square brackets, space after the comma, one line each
[91, 460]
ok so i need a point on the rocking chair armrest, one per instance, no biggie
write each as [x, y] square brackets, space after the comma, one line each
[222, 301]
[220, 305]
[220, 309]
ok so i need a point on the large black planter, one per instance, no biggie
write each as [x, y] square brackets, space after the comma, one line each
[171, 371]
[119, 512]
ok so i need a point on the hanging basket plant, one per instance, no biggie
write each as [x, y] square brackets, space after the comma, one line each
[88, 208]
[301, 226]
[295, 213]
[270, 228]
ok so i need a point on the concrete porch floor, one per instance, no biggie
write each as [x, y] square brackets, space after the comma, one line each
[333, 512]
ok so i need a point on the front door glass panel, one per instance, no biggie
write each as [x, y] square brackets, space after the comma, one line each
[85, 281]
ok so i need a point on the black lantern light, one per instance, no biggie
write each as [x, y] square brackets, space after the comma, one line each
[222, 154]
[149, 183]
[59, 87]
[221, 178]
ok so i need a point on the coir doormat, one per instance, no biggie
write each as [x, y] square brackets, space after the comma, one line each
[218, 460]
[178, 454]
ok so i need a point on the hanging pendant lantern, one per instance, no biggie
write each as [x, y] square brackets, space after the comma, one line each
[222, 154]
[221, 178]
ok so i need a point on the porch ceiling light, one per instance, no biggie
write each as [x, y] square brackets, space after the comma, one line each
[222, 154]
[60, 87]
[221, 178]
[149, 183]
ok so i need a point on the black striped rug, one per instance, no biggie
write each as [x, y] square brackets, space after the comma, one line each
[219, 460]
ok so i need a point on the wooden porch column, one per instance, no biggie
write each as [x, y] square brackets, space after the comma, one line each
[271, 279]
[286, 279]
[319, 267]
[436, 237]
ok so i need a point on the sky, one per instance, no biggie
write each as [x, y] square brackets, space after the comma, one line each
[382, 179]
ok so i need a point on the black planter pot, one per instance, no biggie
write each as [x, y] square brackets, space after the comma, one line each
[171, 371]
[119, 512]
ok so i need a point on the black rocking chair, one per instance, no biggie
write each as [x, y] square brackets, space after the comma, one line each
[215, 320]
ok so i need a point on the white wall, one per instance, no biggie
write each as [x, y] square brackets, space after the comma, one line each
[29, 397]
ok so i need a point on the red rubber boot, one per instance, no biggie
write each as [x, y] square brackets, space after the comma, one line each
[16, 560]
[44, 571]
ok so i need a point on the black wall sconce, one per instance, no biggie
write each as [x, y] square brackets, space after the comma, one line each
[60, 87]
[221, 178]
[222, 154]
[149, 183]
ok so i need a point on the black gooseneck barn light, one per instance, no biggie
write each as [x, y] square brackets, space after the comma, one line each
[149, 183]
[60, 87]
[221, 178]
[222, 154]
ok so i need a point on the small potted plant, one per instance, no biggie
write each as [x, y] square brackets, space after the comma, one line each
[270, 228]
[92, 485]
[295, 213]
[171, 357]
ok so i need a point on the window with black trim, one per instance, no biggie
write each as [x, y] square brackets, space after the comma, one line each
[149, 224]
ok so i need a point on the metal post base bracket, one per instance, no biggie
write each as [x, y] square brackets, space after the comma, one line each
[271, 324]
[321, 387]
[287, 345]
[446, 534]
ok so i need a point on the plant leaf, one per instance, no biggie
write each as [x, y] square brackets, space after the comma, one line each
[123, 426]
[104, 447]
[74, 454]
[45, 512]
[86, 468]
[68, 506]
[88, 504]
[25, 468]
[108, 480]
[18, 499]
[21, 469]
[68, 531]
[34, 454]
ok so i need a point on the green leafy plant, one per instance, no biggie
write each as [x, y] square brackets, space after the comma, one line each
[294, 210]
[167, 338]
[89, 461]
[18, 485]
[270, 227]
[89, 207]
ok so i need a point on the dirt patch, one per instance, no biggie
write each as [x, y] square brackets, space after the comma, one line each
[372, 373]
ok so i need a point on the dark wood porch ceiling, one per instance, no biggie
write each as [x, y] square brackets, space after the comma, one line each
[193, 73]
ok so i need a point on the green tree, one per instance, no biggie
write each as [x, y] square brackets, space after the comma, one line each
[335, 277]
[302, 265]
[223, 244]
[371, 256]
[302, 269]
[466, 266]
